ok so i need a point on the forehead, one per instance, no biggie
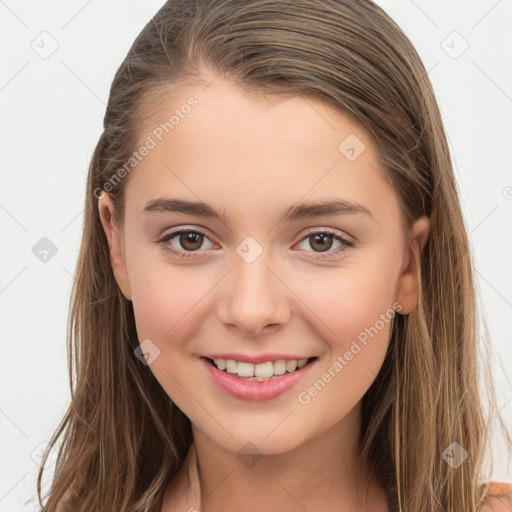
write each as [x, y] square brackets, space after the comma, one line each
[246, 153]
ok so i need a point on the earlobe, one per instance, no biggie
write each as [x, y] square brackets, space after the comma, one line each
[407, 294]
[115, 243]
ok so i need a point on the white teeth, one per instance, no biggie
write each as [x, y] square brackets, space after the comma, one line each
[260, 371]
[280, 367]
[291, 366]
[221, 364]
[247, 370]
[260, 379]
[231, 366]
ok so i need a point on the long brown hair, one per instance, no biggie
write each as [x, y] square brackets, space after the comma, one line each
[122, 438]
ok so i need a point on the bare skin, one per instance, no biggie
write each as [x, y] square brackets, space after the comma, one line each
[252, 157]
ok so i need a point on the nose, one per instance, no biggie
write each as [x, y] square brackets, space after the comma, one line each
[254, 297]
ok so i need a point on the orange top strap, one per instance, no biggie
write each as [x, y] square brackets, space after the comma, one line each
[498, 497]
[500, 489]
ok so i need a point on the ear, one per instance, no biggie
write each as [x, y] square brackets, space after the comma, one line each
[115, 243]
[407, 289]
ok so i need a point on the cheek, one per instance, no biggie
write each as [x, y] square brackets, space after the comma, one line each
[358, 321]
[169, 309]
[160, 308]
[349, 300]
[353, 310]
[166, 309]
[166, 298]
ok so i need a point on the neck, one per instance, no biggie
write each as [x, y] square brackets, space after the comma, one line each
[324, 473]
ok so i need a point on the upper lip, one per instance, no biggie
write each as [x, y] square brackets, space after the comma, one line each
[260, 358]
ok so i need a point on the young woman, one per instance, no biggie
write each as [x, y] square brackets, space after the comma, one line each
[274, 306]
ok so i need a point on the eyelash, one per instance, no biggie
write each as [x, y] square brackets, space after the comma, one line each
[192, 254]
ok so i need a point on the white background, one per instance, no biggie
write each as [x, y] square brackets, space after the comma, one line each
[51, 117]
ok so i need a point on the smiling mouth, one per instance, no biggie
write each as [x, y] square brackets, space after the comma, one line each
[259, 372]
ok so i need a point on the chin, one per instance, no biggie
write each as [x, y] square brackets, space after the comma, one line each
[259, 441]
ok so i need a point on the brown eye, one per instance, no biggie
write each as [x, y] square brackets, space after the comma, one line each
[191, 240]
[321, 241]
[185, 243]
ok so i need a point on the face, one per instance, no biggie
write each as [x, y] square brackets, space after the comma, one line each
[253, 284]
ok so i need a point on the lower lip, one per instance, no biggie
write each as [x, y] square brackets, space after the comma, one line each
[249, 390]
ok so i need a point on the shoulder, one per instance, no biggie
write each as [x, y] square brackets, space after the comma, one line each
[498, 498]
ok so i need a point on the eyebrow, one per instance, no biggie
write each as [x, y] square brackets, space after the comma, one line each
[292, 213]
